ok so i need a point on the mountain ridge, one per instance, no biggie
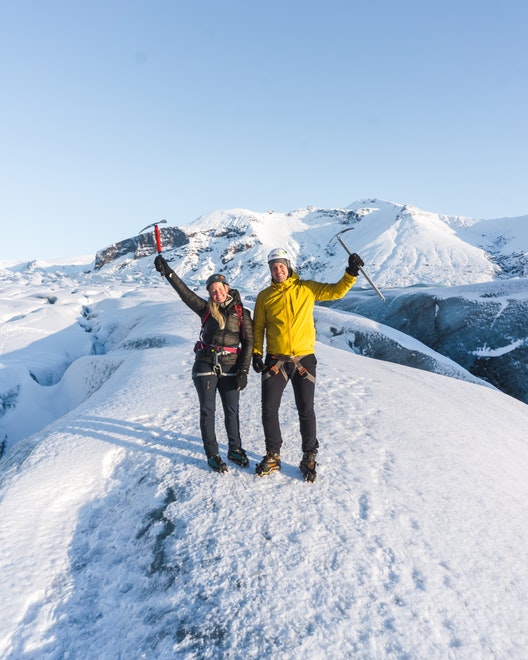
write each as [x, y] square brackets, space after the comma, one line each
[401, 245]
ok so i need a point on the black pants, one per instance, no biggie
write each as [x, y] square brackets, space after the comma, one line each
[273, 386]
[207, 386]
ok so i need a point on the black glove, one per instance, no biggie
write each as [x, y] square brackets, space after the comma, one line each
[354, 263]
[161, 265]
[258, 364]
[240, 381]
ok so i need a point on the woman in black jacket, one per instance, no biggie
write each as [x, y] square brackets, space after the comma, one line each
[223, 355]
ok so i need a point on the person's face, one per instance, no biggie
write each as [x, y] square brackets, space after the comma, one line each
[279, 272]
[218, 292]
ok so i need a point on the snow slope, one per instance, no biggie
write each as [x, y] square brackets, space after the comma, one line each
[117, 541]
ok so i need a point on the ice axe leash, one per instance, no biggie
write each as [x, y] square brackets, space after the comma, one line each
[338, 236]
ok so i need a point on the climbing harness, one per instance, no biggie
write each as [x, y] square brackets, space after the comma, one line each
[278, 367]
[215, 352]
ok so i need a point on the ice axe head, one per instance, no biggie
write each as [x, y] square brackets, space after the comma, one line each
[338, 236]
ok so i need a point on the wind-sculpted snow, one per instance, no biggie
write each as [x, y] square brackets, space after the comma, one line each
[56, 358]
[118, 541]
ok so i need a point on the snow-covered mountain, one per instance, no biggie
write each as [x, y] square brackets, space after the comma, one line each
[117, 541]
[401, 244]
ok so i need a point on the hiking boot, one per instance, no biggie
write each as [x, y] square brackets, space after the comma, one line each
[269, 463]
[238, 456]
[308, 464]
[217, 464]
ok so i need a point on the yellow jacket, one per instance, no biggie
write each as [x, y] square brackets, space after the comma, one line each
[284, 312]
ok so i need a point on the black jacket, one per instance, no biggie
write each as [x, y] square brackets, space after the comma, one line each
[238, 331]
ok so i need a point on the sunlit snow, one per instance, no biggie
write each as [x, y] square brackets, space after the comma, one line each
[117, 541]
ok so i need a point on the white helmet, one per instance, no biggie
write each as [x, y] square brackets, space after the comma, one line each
[279, 254]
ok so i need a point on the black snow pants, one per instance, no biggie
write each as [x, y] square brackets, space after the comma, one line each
[273, 386]
[207, 386]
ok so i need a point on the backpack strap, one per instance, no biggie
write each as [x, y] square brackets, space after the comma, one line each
[239, 311]
[205, 317]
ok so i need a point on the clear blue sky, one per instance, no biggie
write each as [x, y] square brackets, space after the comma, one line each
[117, 113]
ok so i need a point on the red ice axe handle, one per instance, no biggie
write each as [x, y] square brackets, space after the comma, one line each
[158, 238]
[156, 234]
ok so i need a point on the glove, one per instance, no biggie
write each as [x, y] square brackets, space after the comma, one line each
[240, 381]
[354, 263]
[258, 364]
[161, 265]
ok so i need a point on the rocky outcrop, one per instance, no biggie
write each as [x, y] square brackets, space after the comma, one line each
[139, 246]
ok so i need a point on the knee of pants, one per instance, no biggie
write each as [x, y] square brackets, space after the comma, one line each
[207, 411]
[307, 413]
[269, 414]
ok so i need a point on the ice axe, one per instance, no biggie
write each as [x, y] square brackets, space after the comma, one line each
[338, 236]
[156, 233]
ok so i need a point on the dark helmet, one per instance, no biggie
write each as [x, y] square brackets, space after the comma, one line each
[215, 277]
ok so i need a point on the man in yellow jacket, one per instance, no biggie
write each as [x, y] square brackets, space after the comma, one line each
[284, 317]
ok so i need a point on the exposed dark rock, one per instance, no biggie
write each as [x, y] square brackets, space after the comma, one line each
[142, 245]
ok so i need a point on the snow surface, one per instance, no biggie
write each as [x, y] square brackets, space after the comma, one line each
[118, 541]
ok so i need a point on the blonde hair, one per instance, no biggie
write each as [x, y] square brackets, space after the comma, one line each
[214, 308]
[217, 314]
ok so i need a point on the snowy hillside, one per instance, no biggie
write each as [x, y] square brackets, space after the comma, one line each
[117, 541]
